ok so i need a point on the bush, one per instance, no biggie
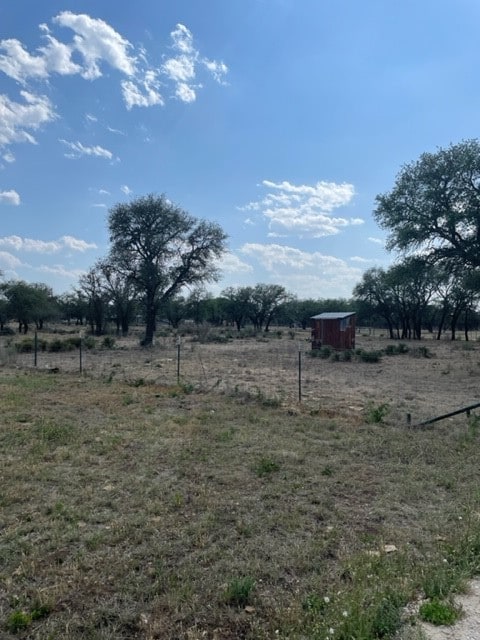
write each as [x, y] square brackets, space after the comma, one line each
[108, 342]
[370, 356]
[25, 346]
[324, 353]
[396, 349]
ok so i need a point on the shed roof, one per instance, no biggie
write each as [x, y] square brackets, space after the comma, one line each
[333, 315]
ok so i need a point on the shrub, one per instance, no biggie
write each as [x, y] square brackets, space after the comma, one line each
[25, 346]
[396, 349]
[370, 356]
[324, 352]
[108, 342]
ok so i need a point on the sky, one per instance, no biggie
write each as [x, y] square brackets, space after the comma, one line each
[279, 119]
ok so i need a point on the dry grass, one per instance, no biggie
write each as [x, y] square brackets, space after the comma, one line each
[136, 510]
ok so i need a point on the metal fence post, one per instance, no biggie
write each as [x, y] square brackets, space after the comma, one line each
[80, 351]
[299, 373]
[178, 360]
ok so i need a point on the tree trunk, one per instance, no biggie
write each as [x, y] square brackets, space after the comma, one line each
[150, 321]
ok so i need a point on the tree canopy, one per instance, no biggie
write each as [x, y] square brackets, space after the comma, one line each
[160, 248]
[434, 206]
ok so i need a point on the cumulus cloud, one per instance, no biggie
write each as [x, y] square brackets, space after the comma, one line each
[8, 261]
[17, 243]
[304, 209]
[9, 197]
[376, 240]
[230, 263]
[126, 190]
[8, 157]
[143, 92]
[18, 119]
[182, 68]
[307, 274]
[96, 44]
[97, 41]
[78, 150]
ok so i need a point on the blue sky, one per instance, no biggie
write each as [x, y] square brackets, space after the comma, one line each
[279, 119]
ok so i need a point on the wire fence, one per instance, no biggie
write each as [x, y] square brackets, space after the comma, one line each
[429, 378]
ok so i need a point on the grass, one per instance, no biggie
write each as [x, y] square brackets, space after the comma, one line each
[166, 515]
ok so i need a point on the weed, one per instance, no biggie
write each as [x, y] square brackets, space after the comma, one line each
[18, 620]
[374, 414]
[239, 591]
[265, 466]
[327, 471]
[439, 612]
[387, 617]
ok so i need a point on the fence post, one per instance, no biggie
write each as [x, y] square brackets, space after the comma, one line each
[178, 359]
[299, 373]
[35, 348]
[80, 351]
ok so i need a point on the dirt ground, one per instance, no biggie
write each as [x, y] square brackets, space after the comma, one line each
[434, 377]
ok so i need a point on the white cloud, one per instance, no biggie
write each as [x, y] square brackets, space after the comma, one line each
[63, 272]
[18, 118]
[185, 93]
[78, 150]
[218, 69]
[97, 41]
[376, 240]
[8, 261]
[90, 118]
[103, 192]
[17, 243]
[76, 245]
[181, 69]
[305, 209]
[361, 260]
[8, 157]
[230, 263]
[307, 274]
[99, 205]
[146, 95]
[9, 197]
[126, 190]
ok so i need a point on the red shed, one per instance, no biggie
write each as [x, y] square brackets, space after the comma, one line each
[334, 329]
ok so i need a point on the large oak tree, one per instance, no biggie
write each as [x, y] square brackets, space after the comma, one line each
[434, 206]
[160, 248]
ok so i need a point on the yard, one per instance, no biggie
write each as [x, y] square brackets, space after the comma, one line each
[219, 507]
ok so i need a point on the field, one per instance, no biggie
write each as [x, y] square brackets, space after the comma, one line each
[219, 507]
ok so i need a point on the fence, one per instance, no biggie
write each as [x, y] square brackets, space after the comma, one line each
[427, 379]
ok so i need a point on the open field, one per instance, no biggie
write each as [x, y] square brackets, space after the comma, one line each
[133, 507]
[433, 376]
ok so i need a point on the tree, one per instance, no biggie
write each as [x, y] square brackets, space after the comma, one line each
[121, 293]
[434, 207]
[236, 304]
[93, 289]
[29, 303]
[160, 248]
[265, 301]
